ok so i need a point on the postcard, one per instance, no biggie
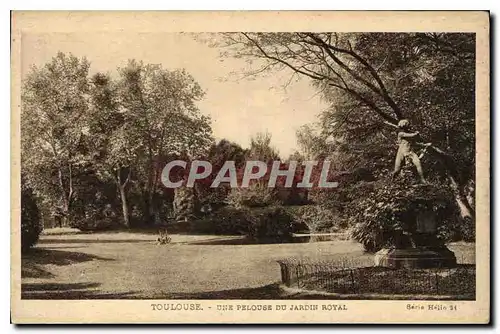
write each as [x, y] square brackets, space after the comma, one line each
[200, 167]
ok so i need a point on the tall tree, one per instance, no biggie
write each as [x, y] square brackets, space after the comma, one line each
[261, 148]
[54, 110]
[161, 106]
[113, 150]
[313, 142]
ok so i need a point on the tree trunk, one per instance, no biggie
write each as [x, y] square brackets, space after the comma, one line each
[148, 212]
[66, 200]
[148, 198]
[123, 196]
[126, 215]
[466, 210]
[469, 190]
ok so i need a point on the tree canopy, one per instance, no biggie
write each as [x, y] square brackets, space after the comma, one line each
[373, 80]
[86, 137]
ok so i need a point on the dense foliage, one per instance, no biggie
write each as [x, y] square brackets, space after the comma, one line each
[389, 209]
[257, 195]
[93, 147]
[318, 218]
[265, 224]
[371, 81]
[31, 224]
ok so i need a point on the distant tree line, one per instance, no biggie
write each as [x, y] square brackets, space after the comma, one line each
[93, 145]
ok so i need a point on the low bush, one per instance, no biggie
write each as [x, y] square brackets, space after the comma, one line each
[229, 220]
[31, 223]
[388, 214]
[270, 224]
[264, 224]
[97, 219]
[318, 218]
[467, 230]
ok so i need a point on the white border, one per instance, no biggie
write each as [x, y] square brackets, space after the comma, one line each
[186, 4]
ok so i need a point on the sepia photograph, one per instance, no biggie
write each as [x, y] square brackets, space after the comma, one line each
[257, 173]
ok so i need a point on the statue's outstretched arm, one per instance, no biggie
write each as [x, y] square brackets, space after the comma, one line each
[408, 134]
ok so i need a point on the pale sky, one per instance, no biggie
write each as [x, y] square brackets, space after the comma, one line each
[238, 108]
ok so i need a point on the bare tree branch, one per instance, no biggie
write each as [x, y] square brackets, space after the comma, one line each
[383, 90]
[280, 60]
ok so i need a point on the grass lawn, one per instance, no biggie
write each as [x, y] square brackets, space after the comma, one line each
[130, 266]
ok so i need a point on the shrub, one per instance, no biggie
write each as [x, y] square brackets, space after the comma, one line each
[31, 224]
[226, 220]
[97, 219]
[468, 230]
[319, 218]
[214, 196]
[386, 215]
[272, 224]
[263, 224]
[230, 220]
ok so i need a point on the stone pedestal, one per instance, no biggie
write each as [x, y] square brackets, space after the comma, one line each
[420, 257]
[420, 249]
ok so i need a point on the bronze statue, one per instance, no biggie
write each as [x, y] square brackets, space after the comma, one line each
[407, 141]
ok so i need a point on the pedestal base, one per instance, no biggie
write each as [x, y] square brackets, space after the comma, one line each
[420, 257]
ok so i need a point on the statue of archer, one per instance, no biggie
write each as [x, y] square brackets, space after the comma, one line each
[407, 140]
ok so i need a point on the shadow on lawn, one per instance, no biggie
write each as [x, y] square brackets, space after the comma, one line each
[89, 291]
[249, 241]
[271, 291]
[56, 291]
[265, 292]
[274, 292]
[67, 291]
[91, 241]
[32, 261]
